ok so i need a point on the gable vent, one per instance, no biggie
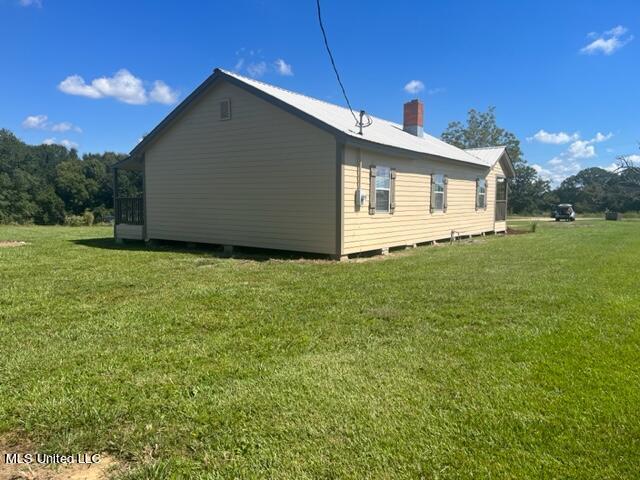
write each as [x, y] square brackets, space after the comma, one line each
[225, 109]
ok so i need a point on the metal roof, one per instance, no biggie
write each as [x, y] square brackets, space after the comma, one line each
[331, 117]
[491, 155]
[381, 131]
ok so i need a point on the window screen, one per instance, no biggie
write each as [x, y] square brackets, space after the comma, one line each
[438, 192]
[481, 193]
[383, 188]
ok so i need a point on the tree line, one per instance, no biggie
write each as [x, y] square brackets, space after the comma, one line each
[590, 190]
[47, 184]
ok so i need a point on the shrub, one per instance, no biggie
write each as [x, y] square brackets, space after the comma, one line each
[84, 220]
[88, 218]
[73, 220]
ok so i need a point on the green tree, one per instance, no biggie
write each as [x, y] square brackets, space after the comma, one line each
[43, 183]
[528, 191]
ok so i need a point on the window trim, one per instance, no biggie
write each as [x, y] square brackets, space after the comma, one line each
[387, 189]
[483, 195]
[434, 193]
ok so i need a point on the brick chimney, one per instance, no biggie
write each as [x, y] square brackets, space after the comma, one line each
[413, 117]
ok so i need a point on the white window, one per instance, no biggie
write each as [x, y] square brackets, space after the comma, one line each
[438, 192]
[481, 193]
[383, 189]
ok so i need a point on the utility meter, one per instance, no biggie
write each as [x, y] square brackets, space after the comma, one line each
[361, 198]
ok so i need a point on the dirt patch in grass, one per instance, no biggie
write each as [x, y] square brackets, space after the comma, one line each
[8, 244]
[10, 444]
[516, 231]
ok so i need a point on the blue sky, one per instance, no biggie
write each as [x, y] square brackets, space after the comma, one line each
[563, 76]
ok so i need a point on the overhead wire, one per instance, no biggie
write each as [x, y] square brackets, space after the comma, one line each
[359, 122]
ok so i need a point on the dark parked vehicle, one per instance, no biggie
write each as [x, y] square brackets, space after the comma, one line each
[565, 211]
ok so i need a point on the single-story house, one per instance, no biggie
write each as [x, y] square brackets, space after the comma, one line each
[243, 163]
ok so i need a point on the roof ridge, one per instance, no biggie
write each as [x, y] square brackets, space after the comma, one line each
[486, 148]
[229, 72]
[392, 123]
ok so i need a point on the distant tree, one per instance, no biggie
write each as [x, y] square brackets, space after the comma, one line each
[596, 190]
[527, 190]
[43, 183]
[591, 190]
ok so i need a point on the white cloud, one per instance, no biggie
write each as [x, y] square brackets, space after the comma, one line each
[414, 86]
[64, 142]
[75, 85]
[617, 31]
[253, 63]
[581, 149]
[122, 86]
[65, 127]
[283, 68]
[559, 138]
[41, 122]
[568, 162]
[257, 69]
[607, 42]
[162, 93]
[30, 3]
[35, 121]
[600, 137]
[68, 144]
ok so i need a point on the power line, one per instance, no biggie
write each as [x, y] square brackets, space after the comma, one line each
[335, 69]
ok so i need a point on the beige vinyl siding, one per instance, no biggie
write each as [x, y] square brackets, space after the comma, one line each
[132, 232]
[264, 178]
[412, 222]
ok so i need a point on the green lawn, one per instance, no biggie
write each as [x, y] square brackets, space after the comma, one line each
[510, 357]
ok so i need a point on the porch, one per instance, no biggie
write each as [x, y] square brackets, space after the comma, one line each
[128, 209]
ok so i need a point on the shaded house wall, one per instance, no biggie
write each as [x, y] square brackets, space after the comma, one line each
[263, 178]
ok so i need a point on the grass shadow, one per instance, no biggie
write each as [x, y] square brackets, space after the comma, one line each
[211, 250]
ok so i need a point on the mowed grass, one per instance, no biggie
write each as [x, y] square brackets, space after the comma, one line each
[510, 357]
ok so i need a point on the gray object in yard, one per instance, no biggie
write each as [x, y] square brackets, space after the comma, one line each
[565, 211]
[612, 216]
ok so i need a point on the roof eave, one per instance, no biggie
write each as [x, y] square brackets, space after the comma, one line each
[512, 171]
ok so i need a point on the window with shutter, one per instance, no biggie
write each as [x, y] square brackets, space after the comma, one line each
[438, 187]
[383, 189]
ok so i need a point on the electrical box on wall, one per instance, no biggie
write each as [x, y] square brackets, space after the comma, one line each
[361, 198]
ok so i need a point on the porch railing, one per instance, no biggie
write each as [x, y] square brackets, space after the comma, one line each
[129, 210]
